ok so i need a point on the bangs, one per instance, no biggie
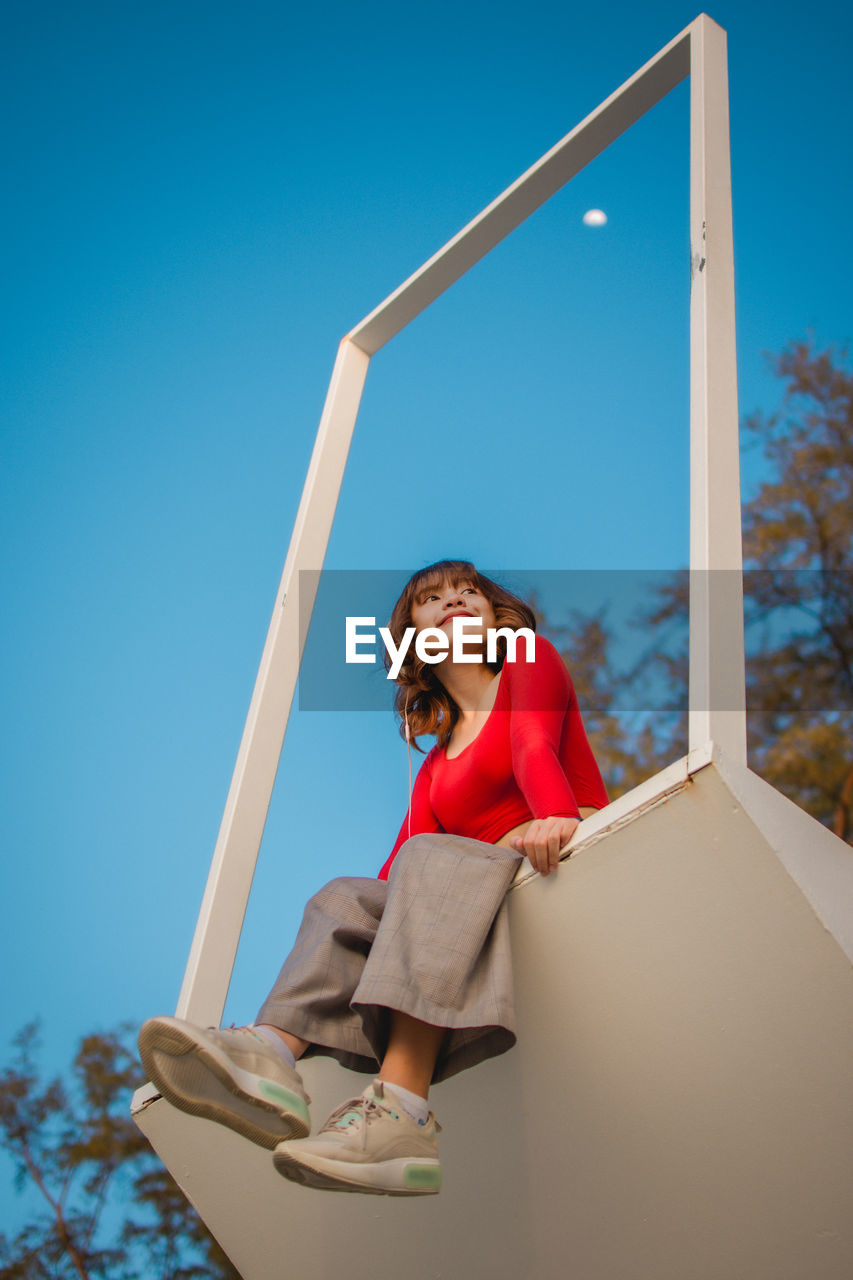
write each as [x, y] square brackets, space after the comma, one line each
[435, 575]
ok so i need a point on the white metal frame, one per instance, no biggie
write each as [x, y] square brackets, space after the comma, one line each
[716, 617]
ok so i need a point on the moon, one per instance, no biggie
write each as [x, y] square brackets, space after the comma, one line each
[595, 218]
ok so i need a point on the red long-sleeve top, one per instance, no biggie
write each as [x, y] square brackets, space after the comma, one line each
[531, 759]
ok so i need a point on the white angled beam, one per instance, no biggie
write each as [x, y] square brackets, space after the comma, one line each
[616, 114]
[717, 681]
[217, 934]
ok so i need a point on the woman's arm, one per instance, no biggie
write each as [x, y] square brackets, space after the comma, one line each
[541, 694]
[423, 818]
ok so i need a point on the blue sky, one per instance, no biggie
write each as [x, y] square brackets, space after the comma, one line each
[201, 199]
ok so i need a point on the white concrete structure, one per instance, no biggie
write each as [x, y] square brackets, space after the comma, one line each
[679, 1103]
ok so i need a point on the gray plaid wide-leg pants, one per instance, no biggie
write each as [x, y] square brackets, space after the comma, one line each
[432, 941]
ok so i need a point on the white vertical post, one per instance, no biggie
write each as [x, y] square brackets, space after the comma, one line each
[220, 921]
[717, 679]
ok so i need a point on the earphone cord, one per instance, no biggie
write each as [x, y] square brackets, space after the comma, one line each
[409, 746]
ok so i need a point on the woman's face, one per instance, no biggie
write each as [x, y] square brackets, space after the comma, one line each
[435, 607]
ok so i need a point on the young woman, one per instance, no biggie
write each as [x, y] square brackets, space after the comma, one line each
[411, 971]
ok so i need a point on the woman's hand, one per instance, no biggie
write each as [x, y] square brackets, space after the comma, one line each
[543, 840]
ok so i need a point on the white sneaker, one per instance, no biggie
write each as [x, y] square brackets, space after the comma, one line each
[367, 1144]
[234, 1077]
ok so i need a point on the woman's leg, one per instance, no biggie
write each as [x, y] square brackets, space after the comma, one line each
[411, 1054]
[440, 956]
[237, 1076]
[309, 1004]
[295, 1044]
[409, 1060]
[436, 973]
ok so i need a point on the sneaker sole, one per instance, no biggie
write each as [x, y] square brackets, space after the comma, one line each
[401, 1177]
[194, 1077]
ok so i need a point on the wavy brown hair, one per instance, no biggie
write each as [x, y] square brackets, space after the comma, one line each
[420, 694]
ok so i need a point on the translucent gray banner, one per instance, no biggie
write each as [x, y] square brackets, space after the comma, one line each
[622, 633]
